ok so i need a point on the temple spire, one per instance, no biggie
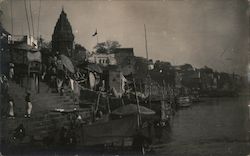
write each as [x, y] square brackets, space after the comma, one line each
[63, 38]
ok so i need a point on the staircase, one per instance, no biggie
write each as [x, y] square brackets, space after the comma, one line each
[42, 101]
[43, 119]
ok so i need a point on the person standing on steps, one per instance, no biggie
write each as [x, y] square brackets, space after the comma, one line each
[28, 105]
[11, 71]
[4, 96]
[11, 112]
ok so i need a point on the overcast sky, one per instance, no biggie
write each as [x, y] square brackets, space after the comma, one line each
[199, 32]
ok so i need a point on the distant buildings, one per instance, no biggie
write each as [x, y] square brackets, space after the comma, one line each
[125, 60]
[123, 56]
[118, 63]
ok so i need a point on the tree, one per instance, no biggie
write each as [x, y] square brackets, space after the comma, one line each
[161, 65]
[163, 71]
[187, 67]
[107, 47]
[79, 54]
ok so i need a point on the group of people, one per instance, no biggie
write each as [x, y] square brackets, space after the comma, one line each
[57, 76]
[7, 101]
[53, 74]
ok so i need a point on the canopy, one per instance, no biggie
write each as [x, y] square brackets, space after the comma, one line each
[67, 63]
[94, 68]
[34, 56]
[132, 109]
[23, 46]
[91, 67]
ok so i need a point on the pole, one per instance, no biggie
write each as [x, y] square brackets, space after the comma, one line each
[97, 40]
[28, 78]
[108, 104]
[163, 91]
[146, 43]
[148, 76]
[31, 16]
[11, 13]
[150, 94]
[146, 47]
[27, 17]
[249, 110]
[138, 106]
[38, 83]
[38, 22]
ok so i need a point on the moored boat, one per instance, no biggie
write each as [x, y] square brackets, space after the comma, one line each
[184, 101]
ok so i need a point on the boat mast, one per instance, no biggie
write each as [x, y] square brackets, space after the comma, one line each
[138, 106]
[146, 42]
[148, 76]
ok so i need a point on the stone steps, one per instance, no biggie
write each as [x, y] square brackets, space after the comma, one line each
[42, 119]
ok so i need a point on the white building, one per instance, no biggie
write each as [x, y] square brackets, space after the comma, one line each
[102, 59]
[29, 40]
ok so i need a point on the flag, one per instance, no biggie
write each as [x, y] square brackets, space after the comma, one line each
[95, 33]
[33, 44]
[4, 35]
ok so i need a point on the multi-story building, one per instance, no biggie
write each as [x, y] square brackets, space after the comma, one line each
[125, 60]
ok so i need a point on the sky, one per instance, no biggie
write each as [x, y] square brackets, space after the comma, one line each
[209, 33]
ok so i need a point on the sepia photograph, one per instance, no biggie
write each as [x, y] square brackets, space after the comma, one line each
[125, 77]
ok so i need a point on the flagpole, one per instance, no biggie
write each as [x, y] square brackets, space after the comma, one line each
[97, 40]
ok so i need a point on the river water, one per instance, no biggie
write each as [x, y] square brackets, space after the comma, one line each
[212, 127]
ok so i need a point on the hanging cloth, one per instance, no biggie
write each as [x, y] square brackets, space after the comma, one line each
[34, 56]
[92, 80]
[71, 84]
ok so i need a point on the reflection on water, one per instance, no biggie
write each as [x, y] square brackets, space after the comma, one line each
[213, 127]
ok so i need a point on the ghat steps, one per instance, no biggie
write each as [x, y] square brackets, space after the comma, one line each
[43, 119]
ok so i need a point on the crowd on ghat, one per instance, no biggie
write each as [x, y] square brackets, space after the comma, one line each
[53, 73]
[57, 76]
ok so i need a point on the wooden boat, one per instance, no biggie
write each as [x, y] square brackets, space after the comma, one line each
[195, 98]
[184, 101]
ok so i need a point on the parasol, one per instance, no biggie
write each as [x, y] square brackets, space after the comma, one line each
[132, 109]
[67, 63]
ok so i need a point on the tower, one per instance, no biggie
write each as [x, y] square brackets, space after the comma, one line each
[63, 38]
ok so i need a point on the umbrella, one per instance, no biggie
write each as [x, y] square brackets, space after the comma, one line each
[67, 63]
[132, 109]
